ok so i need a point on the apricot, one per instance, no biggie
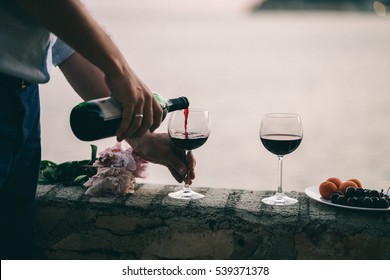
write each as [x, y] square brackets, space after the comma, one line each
[327, 189]
[357, 182]
[343, 187]
[335, 181]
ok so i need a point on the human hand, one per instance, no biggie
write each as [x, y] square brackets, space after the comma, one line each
[140, 111]
[158, 148]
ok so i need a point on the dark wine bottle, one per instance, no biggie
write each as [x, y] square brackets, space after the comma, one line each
[100, 118]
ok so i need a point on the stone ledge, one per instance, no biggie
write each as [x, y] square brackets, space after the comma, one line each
[226, 224]
[332, 5]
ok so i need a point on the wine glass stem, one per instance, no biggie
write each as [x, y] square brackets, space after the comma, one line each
[280, 189]
[186, 185]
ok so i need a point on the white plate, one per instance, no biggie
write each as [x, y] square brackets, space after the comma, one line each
[314, 193]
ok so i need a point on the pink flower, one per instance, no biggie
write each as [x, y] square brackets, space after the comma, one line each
[117, 169]
[115, 180]
[116, 157]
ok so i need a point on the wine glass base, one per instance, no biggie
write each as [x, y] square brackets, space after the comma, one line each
[279, 199]
[186, 195]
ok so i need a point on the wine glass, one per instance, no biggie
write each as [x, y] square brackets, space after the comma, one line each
[281, 134]
[188, 129]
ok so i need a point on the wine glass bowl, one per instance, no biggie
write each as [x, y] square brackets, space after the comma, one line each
[281, 134]
[188, 129]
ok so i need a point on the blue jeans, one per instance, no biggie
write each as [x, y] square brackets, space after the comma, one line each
[20, 155]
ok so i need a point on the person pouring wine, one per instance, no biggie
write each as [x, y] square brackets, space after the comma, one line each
[33, 36]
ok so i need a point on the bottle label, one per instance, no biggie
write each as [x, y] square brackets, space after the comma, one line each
[111, 108]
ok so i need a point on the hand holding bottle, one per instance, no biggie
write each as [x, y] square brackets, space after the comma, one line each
[140, 111]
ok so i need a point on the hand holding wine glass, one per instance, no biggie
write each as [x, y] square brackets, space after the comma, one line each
[188, 129]
[281, 134]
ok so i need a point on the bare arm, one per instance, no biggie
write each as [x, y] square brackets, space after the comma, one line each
[70, 21]
[84, 77]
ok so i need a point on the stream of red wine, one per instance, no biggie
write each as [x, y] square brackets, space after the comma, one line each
[186, 112]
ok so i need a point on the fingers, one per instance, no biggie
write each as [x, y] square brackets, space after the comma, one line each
[191, 163]
[181, 171]
[150, 120]
[122, 131]
[157, 115]
[178, 177]
[140, 111]
[137, 120]
[142, 120]
[187, 178]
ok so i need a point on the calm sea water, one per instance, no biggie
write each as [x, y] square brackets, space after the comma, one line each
[333, 68]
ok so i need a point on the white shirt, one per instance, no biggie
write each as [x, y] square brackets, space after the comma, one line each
[26, 48]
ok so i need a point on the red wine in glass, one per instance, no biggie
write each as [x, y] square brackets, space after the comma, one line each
[190, 142]
[188, 130]
[281, 134]
[281, 144]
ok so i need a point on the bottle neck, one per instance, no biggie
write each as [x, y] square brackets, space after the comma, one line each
[179, 103]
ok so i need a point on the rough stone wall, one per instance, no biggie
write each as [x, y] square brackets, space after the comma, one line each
[226, 224]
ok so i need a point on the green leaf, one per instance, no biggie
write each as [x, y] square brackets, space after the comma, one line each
[49, 173]
[46, 164]
[80, 180]
[93, 153]
[68, 173]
